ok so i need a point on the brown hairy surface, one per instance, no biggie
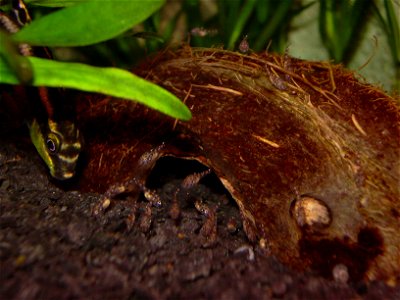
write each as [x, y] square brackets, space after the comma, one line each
[274, 130]
[302, 153]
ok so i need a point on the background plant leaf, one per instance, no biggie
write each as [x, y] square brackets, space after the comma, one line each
[86, 23]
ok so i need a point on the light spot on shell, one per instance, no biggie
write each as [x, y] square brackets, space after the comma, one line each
[311, 212]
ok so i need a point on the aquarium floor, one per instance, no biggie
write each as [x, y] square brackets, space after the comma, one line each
[52, 247]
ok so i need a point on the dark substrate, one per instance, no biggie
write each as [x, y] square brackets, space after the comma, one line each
[51, 247]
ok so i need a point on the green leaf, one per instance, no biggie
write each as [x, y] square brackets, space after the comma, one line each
[280, 14]
[110, 81]
[341, 22]
[86, 23]
[245, 14]
[394, 29]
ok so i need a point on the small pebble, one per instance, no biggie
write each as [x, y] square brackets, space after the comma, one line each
[248, 249]
[340, 273]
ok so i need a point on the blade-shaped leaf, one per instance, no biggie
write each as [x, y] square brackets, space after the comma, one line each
[87, 23]
[110, 81]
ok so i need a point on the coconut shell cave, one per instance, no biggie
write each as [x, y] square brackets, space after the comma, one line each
[309, 153]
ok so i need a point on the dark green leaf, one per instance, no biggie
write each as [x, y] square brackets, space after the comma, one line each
[279, 16]
[240, 22]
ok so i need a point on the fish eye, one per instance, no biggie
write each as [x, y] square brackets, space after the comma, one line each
[52, 143]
